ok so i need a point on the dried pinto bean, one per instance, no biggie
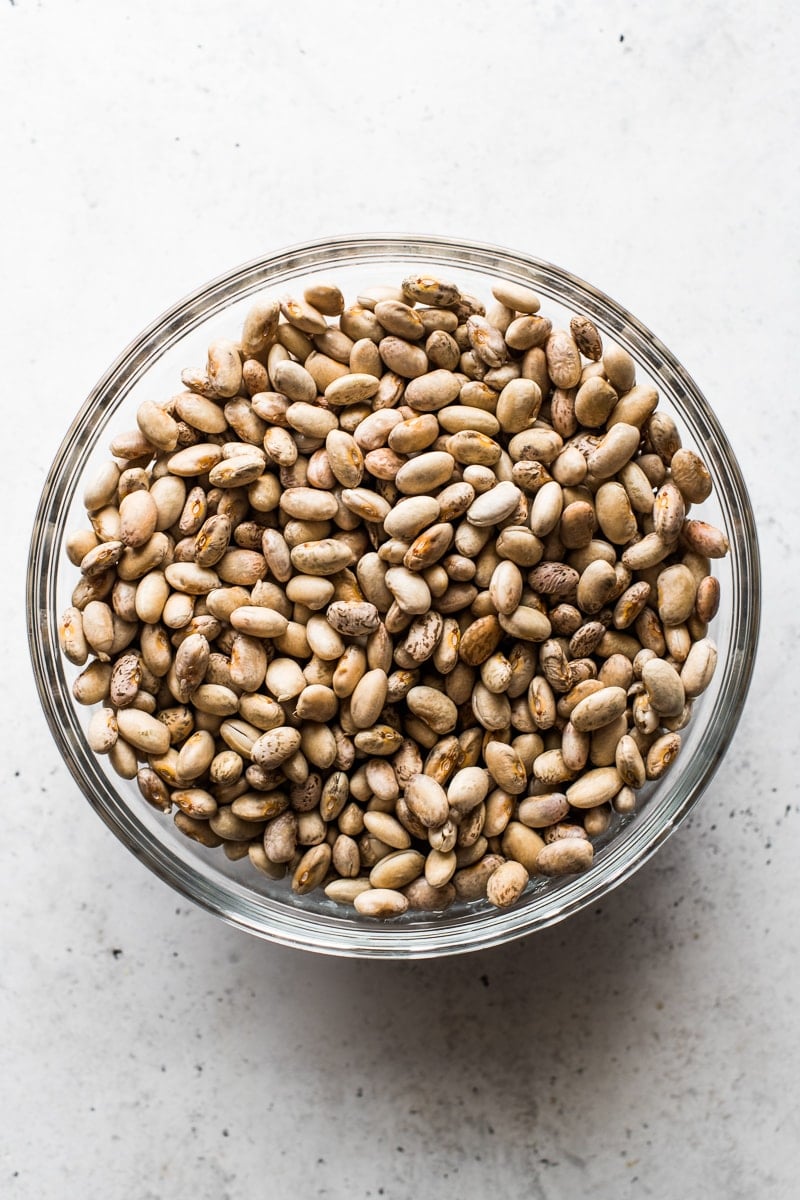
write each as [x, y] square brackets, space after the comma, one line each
[398, 599]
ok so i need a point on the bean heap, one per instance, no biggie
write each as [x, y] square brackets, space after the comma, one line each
[402, 599]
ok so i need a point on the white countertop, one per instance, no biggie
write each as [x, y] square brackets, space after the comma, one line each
[645, 1048]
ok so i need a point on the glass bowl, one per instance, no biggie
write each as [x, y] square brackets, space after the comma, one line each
[150, 368]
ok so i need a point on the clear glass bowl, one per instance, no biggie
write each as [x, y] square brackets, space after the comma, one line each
[150, 368]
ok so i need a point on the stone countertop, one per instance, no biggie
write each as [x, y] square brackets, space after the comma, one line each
[647, 1047]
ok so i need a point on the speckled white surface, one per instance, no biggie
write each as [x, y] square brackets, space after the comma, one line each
[648, 1048]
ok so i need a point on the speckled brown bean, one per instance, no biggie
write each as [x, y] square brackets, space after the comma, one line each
[587, 338]
[705, 539]
[506, 884]
[563, 359]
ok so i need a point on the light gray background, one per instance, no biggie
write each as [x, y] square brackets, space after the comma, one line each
[646, 1048]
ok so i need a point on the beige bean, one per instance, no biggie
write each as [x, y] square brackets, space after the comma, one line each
[441, 348]
[522, 845]
[421, 896]
[445, 836]
[594, 401]
[470, 882]
[541, 700]
[427, 800]
[527, 331]
[595, 586]
[323, 639]
[156, 426]
[496, 673]
[317, 703]
[547, 508]
[103, 731]
[648, 552]
[78, 544]
[403, 357]
[596, 786]
[664, 687]
[425, 473]
[428, 547]
[397, 870]
[638, 487]
[635, 407]
[440, 866]
[311, 869]
[691, 476]
[195, 757]
[516, 296]
[353, 388]
[380, 902]
[345, 891]
[143, 731]
[325, 556]
[345, 457]
[190, 578]
[495, 505]
[280, 838]
[661, 754]
[101, 489]
[432, 391]
[467, 789]
[138, 515]
[549, 768]
[676, 591]
[629, 762]
[387, 829]
[468, 446]
[308, 504]
[505, 587]
[541, 811]
[599, 708]
[97, 620]
[619, 367]
[198, 830]
[409, 589]
[411, 515]
[528, 624]
[567, 856]
[368, 698]
[71, 636]
[698, 669]
[505, 767]
[614, 451]
[433, 707]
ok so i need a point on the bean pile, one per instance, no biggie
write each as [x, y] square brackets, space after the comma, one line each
[402, 599]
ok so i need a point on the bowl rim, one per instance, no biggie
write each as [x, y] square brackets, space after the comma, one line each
[358, 937]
